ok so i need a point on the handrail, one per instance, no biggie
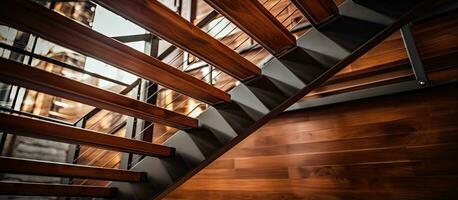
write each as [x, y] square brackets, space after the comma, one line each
[62, 64]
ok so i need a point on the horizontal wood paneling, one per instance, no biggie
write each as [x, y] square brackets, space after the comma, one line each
[401, 146]
[437, 43]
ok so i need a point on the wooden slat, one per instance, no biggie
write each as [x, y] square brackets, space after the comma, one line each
[38, 189]
[207, 19]
[317, 11]
[256, 21]
[161, 21]
[18, 74]
[354, 148]
[44, 168]
[31, 17]
[62, 133]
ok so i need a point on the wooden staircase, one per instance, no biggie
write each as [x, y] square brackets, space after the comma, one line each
[340, 36]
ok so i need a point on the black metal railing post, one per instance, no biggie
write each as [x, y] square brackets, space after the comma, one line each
[131, 127]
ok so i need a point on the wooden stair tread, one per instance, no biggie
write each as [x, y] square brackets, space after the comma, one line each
[183, 34]
[62, 133]
[29, 16]
[317, 11]
[32, 78]
[39, 189]
[257, 22]
[320, 54]
[45, 168]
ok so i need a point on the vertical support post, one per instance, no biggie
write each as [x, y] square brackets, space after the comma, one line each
[414, 55]
[2, 141]
[211, 75]
[189, 16]
[131, 128]
[143, 92]
[15, 105]
[149, 94]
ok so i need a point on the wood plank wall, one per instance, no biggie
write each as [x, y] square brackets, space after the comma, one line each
[437, 42]
[402, 146]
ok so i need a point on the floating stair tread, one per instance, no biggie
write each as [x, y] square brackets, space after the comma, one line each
[52, 131]
[45, 168]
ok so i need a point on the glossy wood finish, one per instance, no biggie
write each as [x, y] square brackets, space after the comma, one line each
[322, 55]
[36, 79]
[317, 11]
[51, 131]
[31, 17]
[256, 21]
[44, 168]
[163, 22]
[388, 62]
[37, 189]
[394, 147]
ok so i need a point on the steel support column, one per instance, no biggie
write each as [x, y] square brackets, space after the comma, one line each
[414, 55]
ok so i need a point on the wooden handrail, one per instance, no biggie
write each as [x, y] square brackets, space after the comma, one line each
[31, 17]
[62, 133]
[45, 168]
[18, 74]
[163, 22]
[258, 22]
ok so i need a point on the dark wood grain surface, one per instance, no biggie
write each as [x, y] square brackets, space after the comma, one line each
[436, 40]
[18, 74]
[401, 146]
[163, 22]
[37, 189]
[52, 131]
[258, 22]
[317, 11]
[31, 17]
[36, 167]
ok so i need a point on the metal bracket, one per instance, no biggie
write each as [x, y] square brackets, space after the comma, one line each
[414, 55]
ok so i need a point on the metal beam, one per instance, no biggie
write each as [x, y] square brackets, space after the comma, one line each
[414, 55]
[133, 38]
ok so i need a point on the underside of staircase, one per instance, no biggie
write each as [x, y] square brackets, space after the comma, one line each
[333, 43]
[320, 53]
